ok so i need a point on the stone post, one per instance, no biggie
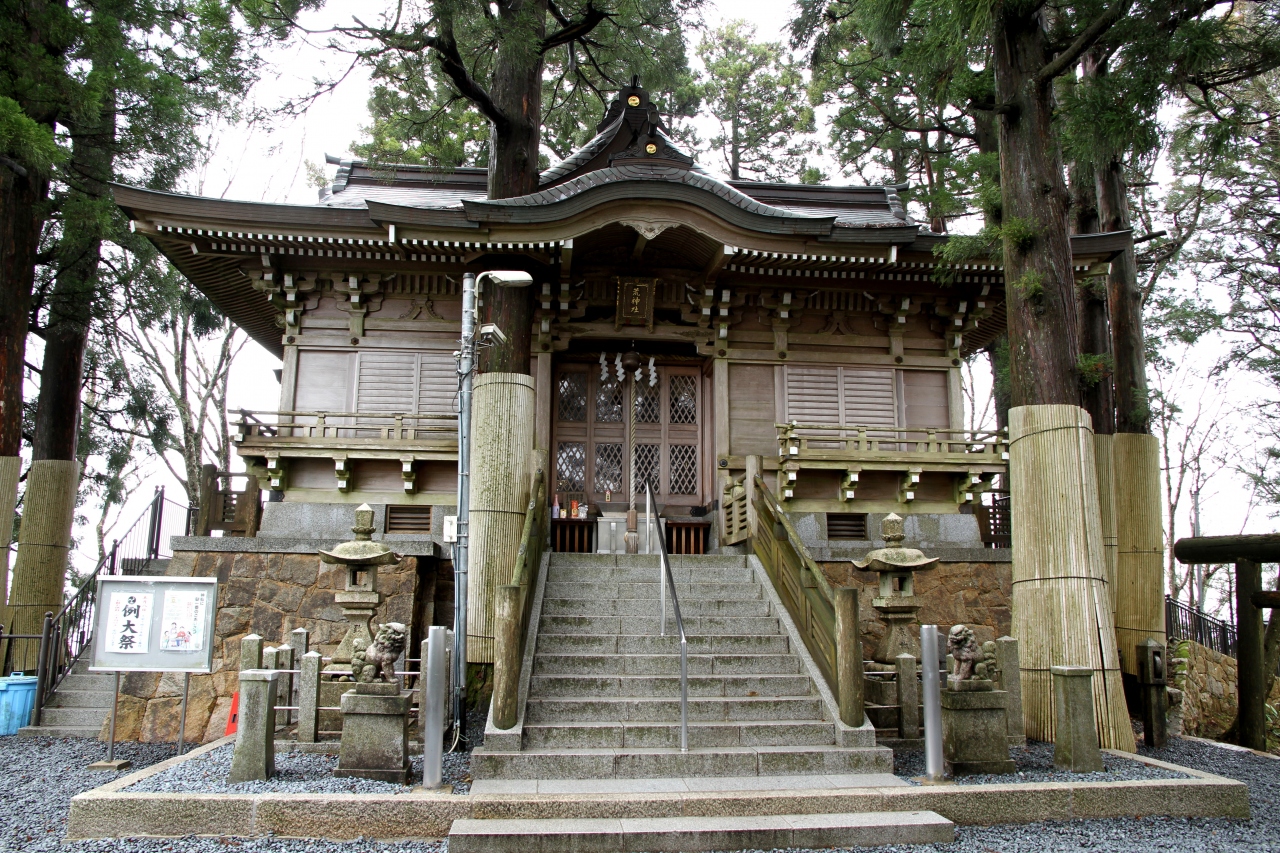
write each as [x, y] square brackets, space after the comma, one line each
[298, 640]
[309, 697]
[908, 698]
[254, 758]
[1076, 748]
[269, 661]
[284, 661]
[849, 658]
[1011, 683]
[1152, 682]
[250, 652]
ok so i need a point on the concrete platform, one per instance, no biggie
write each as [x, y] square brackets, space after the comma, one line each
[691, 834]
[113, 811]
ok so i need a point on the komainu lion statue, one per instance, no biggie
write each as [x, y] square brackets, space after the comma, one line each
[964, 650]
[377, 661]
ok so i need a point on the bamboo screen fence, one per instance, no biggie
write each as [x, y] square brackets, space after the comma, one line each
[1062, 614]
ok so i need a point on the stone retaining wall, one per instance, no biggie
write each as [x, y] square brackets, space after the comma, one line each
[1207, 680]
[975, 594]
[269, 594]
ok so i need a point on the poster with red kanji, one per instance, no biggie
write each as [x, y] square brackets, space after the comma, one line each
[129, 622]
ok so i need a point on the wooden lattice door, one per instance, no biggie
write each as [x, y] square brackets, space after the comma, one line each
[591, 435]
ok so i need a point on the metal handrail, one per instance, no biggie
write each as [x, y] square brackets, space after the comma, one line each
[664, 565]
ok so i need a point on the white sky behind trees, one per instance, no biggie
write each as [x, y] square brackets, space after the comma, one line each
[269, 164]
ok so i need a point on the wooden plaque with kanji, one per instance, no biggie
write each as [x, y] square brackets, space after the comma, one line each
[635, 302]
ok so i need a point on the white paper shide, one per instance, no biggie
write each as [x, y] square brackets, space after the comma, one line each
[129, 622]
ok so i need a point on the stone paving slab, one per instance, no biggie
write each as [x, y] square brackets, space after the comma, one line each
[484, 787]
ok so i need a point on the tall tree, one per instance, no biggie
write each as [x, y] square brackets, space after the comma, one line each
[510, 60]
[758, 97]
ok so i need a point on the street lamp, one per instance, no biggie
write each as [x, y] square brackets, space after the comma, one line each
[471, 283]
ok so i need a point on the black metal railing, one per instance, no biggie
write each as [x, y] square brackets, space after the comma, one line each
[1186, 623]
[66, 635]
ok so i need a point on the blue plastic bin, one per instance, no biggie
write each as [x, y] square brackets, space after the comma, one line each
[17, 695]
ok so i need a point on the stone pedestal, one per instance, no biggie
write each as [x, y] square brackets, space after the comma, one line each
[1076, 735]
[254, 757]
[375, 733]
[975, 732]
[358, 607]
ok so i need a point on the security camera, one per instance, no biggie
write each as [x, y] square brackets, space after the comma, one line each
[491, 334]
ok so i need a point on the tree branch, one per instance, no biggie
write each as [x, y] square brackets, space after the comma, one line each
[572, 31]
[1067, 59]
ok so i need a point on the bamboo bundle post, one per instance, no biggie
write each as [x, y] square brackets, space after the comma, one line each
[1140, 552]
[1104, 463]
[1062, 612]
[44, 539]
[502, 415]
[10, 467]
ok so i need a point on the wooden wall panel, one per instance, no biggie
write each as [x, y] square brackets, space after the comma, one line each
[925, 398]
[868, 396]
[323, 382]
[377, 475]
[751, 410]
[312, 474]
[437, 382]
[386, 381]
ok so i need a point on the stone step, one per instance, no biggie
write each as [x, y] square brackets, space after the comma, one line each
[678, 561]
[693, 626]
[546, 686]
[655, 763]
[697, 834]
[548, 710]
[74, 717]
[649, 644]
[667, 735]
[668, 664]
[65, 698]
[648, 574]
[651, 608]
[77, 680]
[686, 591]
[60, 731]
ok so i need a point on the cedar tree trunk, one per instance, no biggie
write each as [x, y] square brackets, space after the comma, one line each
[1124, 299]
[1044, 338]
[1095, 330]
[21, 218]
[513, 170]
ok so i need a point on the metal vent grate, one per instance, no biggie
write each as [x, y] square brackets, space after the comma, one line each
[846, 525]
[408, 519]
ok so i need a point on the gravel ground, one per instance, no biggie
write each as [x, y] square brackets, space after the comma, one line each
[296, 773]
[45, 774]
[1035, 764]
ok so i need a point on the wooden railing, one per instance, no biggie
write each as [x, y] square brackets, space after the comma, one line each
[826, 616]
[514, 601]
[322, 426]
[733, 499]
[797, 441]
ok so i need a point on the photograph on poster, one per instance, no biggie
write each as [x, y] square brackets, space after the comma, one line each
[182, 620]
[129, 622]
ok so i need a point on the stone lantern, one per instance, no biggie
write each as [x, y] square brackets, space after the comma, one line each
[360, 597]
[897, 603]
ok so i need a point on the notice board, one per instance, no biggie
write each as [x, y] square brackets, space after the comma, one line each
[154, 624]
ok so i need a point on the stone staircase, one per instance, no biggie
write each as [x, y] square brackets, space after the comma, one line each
[603, 694]
[78, 708]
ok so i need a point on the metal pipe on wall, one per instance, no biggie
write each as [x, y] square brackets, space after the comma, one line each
[466, 365]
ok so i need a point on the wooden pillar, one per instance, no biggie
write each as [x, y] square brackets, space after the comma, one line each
[1061, 607]
[755, 465]
[1251, 681]
[249, 508]
[208, 491]
[542, 409]
[502, 431]
[44, 539]
[1139, 578]
[506, 656]
[848, 657]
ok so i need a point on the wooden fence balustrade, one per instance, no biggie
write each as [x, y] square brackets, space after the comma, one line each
[687, 537]
[514, 601]
[797, 440]
[573, 535]
[319, 426]
[826, 617]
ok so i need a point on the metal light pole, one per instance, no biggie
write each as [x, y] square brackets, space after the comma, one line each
[466, 367]
[932, 703]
